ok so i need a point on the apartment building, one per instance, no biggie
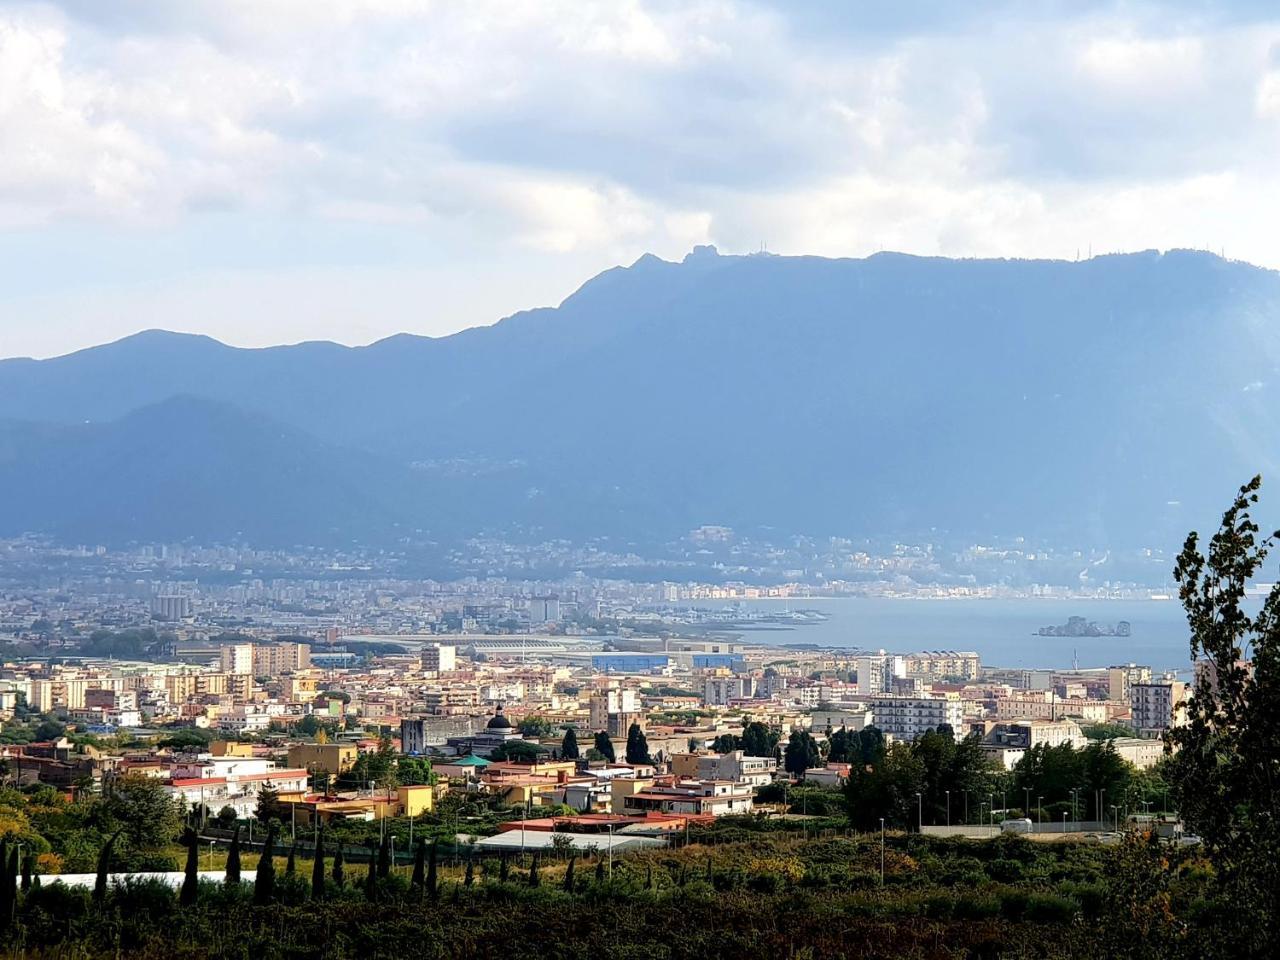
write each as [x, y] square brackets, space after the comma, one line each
[876, 673]
[273, 659]
[715, 798]
[719, 691]
[439, 658]
[906, 718]
[943, 665]
[1158, 706]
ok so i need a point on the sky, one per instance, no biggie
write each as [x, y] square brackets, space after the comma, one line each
[270, 171]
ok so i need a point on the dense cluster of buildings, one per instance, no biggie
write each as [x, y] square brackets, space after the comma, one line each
[492, 717]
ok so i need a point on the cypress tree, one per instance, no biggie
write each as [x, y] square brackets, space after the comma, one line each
[637, 745]
[317, 869]
[470, 876]
[711, 870]
[7, 903]
[371, 878]
[568, 873]
[28, 869]
[190, 876]
[384, 857]
[600, 871]
[291, 864]
[433, 884]
[605, 746]
[533, 871]
[264, 883]
[648, 876]
[504, 868]
[104, 868]
[419, 878]
[233, 860]
[569, 745]
[339, 874]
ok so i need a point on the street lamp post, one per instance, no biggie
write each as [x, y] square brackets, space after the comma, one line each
[1039, 809]
[919, 812]
[1115, 812]
[948, 808]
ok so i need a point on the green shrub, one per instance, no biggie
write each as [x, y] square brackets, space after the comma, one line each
[1050, 908]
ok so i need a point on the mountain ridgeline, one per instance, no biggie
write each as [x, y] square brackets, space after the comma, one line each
[1109, 402]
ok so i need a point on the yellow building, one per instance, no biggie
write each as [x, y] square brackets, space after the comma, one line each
[230, 748]
[331, 758]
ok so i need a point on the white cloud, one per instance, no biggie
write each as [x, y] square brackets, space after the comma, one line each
[572, 133]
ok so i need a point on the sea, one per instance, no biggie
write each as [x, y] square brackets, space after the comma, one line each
[1001, 631]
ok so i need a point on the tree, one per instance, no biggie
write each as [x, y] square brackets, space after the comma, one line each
[104, 867]
[269, 807]
[517, 751]
[339, 871]
[536, 726]
[190, 876]
[1226, 767]
[802, 753]
[28, 871]
[885, 790]
[142, 805]
[371, 878]
[759, 740]
[725, 743]
[637, 745]
[605, 746]
[291, 862]
[227, 816]
[317, 869]
[264, 881]
[569, 745]
[233, 861]
[433, 882]
[533, 871]
[384, 857]
[568, 874]
[418, 878]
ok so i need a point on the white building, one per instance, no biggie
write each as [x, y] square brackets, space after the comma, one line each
[237, 657]
[718, 691]
[238, 791]
[906, 718]
[439, 658]
[714, 797]
[876, 673]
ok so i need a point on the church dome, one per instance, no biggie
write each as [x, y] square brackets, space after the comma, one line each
[499, 721]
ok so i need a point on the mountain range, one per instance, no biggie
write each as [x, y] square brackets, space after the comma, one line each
[1116, 401]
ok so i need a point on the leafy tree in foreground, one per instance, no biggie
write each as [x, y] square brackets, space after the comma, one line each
[1226, 771]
